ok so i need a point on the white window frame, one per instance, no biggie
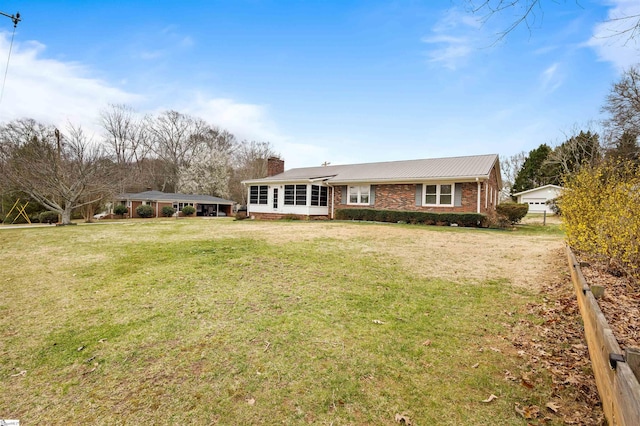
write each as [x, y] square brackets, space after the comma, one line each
[438, 194]
[359, 193]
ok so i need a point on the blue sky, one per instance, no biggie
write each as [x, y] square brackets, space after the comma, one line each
[338, 81]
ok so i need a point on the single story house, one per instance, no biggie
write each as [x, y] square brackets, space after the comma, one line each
[537, 197]
[205, 205]
[468, 184]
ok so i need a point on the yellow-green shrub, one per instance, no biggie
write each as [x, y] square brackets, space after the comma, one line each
[601, 211]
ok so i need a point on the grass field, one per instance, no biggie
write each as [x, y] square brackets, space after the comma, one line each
[239, 322]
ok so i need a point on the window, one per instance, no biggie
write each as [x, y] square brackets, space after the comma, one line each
[439, 195]
[258, 194]
[301, 195]
[289, 195]
[179, 206]
[275, 198]
[359, 194]
[295, 194]
[319, 195]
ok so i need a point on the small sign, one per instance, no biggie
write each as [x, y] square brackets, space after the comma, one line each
[9, 422]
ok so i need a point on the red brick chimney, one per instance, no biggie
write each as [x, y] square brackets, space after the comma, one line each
[275, 166]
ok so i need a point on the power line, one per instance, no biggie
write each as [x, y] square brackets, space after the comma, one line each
[15, 18]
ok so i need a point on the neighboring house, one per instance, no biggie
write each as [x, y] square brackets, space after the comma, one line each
[458, 184]
[205, 205]
[537, 197]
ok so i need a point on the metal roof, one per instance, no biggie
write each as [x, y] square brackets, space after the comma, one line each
[460, 168]
[173, 197]
[549, 186]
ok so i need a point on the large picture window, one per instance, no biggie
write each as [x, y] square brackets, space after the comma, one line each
[258, 194]
[359, 194]
[319, 195]
[439, 195]
[295, 195]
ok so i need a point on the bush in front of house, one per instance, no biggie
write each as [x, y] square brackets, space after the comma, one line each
[423, 218]
[48, 217]
[188, 210]
[168, 211]
[120, 210]
[513, 211]
[144, 210]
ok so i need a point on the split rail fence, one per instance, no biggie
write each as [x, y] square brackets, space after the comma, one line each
[616, 371]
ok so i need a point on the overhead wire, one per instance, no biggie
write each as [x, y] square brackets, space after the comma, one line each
[15, 20]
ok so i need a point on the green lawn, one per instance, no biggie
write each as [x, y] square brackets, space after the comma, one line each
[238, 322]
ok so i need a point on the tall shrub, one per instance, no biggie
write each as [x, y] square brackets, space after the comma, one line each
[600, 211]
[144, 210]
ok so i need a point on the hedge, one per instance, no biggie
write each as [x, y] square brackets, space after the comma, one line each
[144, 210]
[424, 218]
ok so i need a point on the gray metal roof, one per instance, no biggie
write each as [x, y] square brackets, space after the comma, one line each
[173, 197]
[461, 168]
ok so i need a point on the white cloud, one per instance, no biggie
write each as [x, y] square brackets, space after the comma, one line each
[246, 121]
[52, 91]
[454, 39]
[551, 78]
[612, 40]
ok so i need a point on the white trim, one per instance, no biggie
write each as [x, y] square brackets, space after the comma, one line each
[438, 194]
[359, 195]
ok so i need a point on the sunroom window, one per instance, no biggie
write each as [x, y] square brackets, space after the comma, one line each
[258, 194]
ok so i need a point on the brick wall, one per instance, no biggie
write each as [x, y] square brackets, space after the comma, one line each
[403, 197]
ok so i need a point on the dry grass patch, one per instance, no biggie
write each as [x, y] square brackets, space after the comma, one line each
[205, 322]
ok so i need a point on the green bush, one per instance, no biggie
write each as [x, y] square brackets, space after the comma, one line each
[48, 217]
[168, 211]
[144, 210]
[120, 210]
[513, 211]
[426, 218]
[188, 210]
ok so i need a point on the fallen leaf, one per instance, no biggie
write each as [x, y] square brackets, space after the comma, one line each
[491, 398]
[403, 419]
[251, 401]
[495, 349]
[476, 365]
[22, 373]
[80, 348]
[526, 384]
[377, 322]
[426, 343]
[529, 412]
[553, 406]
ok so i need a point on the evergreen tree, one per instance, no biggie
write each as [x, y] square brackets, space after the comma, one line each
[535, 171]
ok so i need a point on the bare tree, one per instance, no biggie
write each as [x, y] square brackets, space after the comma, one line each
[623, 106]
[126, 140]
[580, 149]
[174, 138]
[509, 169]
[530, 13]
[250, 162]
[62, 172]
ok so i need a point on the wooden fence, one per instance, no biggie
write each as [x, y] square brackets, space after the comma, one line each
[617, 384]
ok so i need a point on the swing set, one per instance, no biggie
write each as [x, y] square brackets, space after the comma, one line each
[20, 209]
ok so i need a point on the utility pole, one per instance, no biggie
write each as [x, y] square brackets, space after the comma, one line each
[15, 18]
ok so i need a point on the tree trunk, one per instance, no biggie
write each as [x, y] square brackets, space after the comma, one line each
[66, 215]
